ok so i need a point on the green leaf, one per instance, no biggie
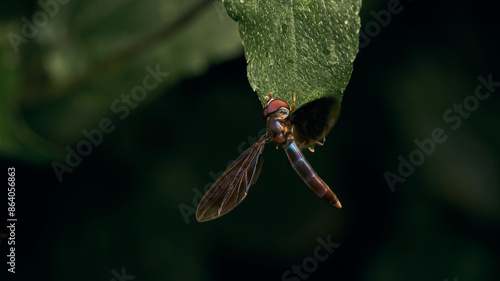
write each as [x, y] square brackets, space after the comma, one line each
[38, 119]
[17, 139]
[298, 46]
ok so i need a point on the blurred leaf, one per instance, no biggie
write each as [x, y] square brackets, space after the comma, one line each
[302, 47]
[17, 140]
[44, 83]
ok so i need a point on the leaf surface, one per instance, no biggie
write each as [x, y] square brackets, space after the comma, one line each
[298, 46]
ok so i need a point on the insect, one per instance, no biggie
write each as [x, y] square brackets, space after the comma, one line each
[294, 131]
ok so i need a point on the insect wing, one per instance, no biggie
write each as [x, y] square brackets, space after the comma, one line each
[232, 186]
[314, 120]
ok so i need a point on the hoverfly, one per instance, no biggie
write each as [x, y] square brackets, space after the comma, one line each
[294, 131]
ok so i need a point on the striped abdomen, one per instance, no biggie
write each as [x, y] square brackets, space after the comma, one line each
[308, 175]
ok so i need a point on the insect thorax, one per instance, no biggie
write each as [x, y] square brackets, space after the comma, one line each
[277, 125]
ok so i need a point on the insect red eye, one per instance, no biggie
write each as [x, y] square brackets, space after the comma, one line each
[273, 106]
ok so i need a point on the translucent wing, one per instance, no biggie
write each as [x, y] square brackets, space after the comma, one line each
[314, 120]
[232, 186]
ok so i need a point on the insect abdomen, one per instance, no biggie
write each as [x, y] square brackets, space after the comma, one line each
[309, 176]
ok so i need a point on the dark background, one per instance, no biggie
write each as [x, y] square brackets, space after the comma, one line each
[121, 207]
